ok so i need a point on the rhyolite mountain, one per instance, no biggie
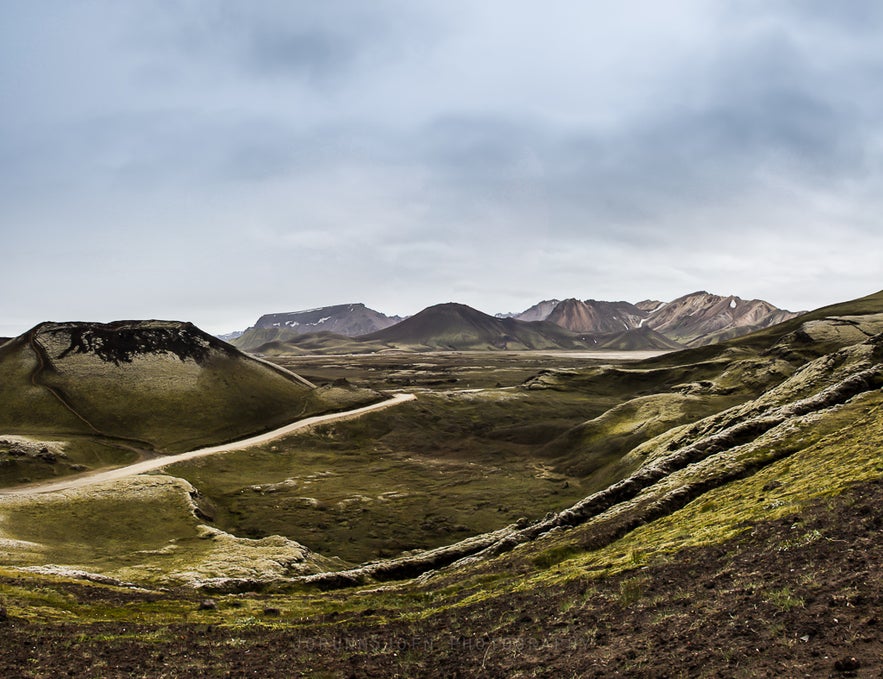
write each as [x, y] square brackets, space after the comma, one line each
[692, 320]
[162, 385]
[348, 320]
[454, 326]
[702, 318]
[538, 312]
[592, 316]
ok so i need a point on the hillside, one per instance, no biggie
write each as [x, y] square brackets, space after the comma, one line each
[639, 339]
[145, 385]
[459, 327]
[324, 343]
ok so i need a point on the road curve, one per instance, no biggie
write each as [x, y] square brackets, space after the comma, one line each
[159, 462]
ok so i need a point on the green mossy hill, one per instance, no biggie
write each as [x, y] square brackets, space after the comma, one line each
[159, 384]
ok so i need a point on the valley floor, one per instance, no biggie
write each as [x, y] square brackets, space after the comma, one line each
[794, 597]
[84, 480]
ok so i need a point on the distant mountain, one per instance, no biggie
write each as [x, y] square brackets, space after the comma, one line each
[592, 316]
[459, 327]
[349, 320]
[692, 320]
[702, 318]
[696, 319]
[538, 312]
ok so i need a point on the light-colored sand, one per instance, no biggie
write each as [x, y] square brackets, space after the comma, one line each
[157, 463]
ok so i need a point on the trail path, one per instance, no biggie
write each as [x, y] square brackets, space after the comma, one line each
[157, 463]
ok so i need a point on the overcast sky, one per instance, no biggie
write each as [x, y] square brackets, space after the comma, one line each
[214, 161]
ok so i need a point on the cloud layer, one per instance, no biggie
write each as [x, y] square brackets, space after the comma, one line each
[215, 161]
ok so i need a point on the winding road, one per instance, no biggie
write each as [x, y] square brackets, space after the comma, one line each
[93, 478]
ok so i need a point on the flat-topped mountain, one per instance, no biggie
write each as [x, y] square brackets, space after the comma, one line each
[164, 385]
[454, 326]
[348, 320]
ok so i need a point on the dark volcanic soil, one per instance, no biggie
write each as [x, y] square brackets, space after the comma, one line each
[799, 597]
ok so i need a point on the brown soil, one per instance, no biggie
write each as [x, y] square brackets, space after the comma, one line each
[798, 597]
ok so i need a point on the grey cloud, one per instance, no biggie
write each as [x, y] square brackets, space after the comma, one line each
[319, 42]
[862, 16]
[314, 54]
[411, 148]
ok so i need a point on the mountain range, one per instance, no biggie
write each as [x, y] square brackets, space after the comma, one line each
[696, 319]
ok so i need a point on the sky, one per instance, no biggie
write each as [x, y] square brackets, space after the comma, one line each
[213, 161]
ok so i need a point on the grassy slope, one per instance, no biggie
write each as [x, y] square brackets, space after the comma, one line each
[28, 408]
[135, 528]
[639, 339]
[308, 343]
[32, 411]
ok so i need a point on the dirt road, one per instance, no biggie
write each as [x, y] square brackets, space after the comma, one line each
[157, 463]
